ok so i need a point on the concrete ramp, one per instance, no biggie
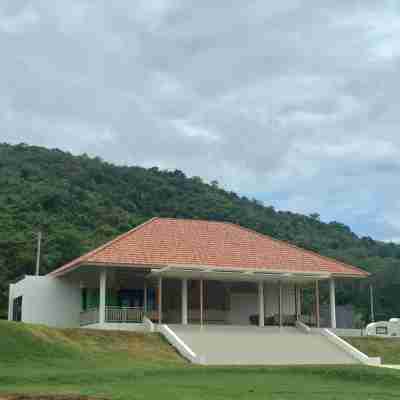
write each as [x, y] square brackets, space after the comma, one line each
[251, 345]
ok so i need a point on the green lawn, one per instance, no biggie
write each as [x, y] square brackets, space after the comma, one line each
[35, 359]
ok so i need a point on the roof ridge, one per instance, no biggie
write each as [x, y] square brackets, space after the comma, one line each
[93, 252]
[314, 253]
[194, 220]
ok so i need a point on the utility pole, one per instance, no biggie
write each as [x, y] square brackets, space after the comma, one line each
[39, 242]
[371, 299]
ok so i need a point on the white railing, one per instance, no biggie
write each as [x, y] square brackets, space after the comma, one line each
[89, 316]
[124, 314]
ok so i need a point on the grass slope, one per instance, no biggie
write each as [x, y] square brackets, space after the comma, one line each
[386, 348]
[115, 365]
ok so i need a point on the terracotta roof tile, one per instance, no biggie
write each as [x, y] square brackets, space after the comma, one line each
[167, 241]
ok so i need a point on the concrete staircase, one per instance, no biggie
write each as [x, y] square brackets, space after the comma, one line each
[251, 345]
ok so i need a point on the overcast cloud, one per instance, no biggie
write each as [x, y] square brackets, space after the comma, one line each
[293, 102]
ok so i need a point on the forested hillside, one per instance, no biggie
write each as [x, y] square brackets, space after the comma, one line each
[81, 202]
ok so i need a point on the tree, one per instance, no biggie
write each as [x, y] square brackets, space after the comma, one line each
[81, 202]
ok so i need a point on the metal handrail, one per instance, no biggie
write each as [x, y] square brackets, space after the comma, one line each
[112, 314]
[124, 314]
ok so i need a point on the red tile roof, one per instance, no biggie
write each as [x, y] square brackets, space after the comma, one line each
[181, 242]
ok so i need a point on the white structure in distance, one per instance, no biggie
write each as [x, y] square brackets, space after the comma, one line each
[389, 328]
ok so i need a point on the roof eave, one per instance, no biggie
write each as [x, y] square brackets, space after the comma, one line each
[351, 275]
[214, 269]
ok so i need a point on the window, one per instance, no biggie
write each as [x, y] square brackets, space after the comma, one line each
[382, 330]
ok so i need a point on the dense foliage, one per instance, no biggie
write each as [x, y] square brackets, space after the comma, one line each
[81, 202]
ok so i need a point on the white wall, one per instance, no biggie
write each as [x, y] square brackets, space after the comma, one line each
[242, 306]
[10, 301]
[245, 304]
[47, 300]
[271, 298]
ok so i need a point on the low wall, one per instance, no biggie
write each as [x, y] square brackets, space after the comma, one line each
[118, 326]
[148, 324]
[303, 327]
[348, 348]
[348, 332]
[179, 344]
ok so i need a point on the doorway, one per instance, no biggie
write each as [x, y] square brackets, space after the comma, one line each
[17, 309]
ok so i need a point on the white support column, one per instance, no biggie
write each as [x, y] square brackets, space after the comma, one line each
[184, 301]
[298, 303]
[102, 295]
[145, 296]
[372, 302]
[160, 299]
[332, 296]
[201, 302]
[317, 312]
[280, 304]
[261, 313]
[10, 302]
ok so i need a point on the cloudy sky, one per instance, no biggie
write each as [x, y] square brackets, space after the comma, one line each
[293, 102]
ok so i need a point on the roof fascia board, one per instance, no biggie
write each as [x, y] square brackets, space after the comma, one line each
[197, 268]
[212, 273]
[269, 271]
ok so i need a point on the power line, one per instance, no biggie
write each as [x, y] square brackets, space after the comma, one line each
[39, 243]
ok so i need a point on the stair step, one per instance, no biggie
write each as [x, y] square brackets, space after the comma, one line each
[250, 345]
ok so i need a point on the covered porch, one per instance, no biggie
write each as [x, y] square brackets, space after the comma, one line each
[122, 297]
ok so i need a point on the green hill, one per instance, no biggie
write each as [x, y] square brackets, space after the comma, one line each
[80, 202]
